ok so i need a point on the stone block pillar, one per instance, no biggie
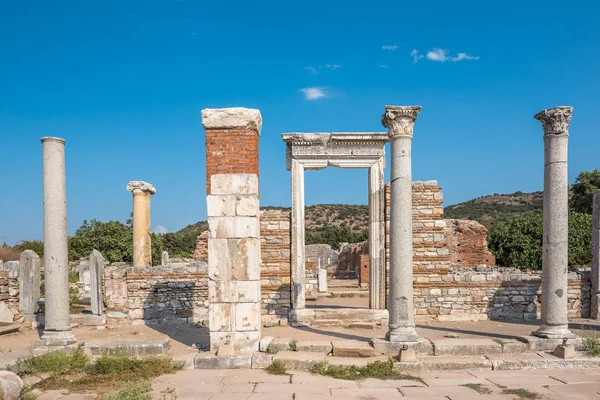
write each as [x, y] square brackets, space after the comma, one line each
[97, 263]
[29, 284]
[400, 122]
[322, 278]
[57, 329]
[234, 254]
[595, 309]
[555, 245]
[142, 242]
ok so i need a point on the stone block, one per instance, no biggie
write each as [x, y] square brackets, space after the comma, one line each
[221, 206]
[132, 347]
[315, 346]
[221, 317]
[234, 184]
[6, 315]
[511, 346]
[247, 206]
[247, 317]
[261, 360]
[409, 355]
[352, 348]
[381, 346]
[243, 342]
[299, 360]
[233, 227]
[264, 343]
[281, 343]
[362, 325]
[535, 343]
[232, 118]
[447, 363]
[211, 361]
[10, 385]
[565, 351]
[466, 347]
[88, 319]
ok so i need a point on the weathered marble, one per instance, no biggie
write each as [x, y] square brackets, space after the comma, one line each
[554, 323]
[29, 282]
[142, 242]
[400, 122]
[97, 264]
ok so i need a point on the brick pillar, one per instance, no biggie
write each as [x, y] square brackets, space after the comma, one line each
[234, 227]
[231, 141]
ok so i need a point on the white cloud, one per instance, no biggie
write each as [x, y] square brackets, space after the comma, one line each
[389, 47]
[311, 69]
[315, 70]
[441, 55]
[416, 56]
[382, 66]
[159, 229]
[333, 66]
[313, 93]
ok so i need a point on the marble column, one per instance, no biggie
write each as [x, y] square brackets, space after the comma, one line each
[554, 323]
[298, 237]
[142, 243]
[57, 329]
[595, 309]
[376, 235]
[400, 122]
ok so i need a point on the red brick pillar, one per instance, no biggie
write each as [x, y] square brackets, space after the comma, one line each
[231, 141]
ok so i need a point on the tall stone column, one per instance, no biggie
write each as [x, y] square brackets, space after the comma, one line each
[400, 122]
[298, 237]
[57, 329]
[554, 323]
[595, 309]
[376, 236]
[142, 242]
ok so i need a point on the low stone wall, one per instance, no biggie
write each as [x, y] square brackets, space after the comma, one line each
[9, 297]
[275, 245]
[472, 294]
[168, 293]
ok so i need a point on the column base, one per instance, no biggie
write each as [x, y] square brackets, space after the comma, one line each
[57, 338]
[553, 332]
[404, 334]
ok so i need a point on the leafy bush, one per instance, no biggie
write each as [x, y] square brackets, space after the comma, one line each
[57, 362]
[276, 368]
[334, 235]
[583, 191]
[113, 239]
[36, 245]
[518, 242]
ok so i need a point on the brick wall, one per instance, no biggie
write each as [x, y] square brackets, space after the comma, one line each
[467, 243]
[231, 151]
[275, 245]
[472, 294]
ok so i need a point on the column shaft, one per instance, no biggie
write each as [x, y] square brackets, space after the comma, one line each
[142, 242]
[57, 329]
[554, 323]
[595, 309]
[298, 237]
[376, 236]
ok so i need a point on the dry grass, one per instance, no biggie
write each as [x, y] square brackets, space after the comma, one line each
[9, 253]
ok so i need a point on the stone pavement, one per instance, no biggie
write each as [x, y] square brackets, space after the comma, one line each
[566, 384]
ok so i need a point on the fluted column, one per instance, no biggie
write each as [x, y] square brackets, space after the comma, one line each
[376, 236]
[57, 328]
[400, 122]
[298, 237]
[554, 323]
[142, 242]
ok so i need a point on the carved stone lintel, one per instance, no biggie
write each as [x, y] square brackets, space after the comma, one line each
[555, 120]
[400, 120]
[141, 185]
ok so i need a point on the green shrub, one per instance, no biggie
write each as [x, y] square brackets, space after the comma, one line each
[377, 370]
[57, 362]
[276, 368]
[518, 242]
[136, 391]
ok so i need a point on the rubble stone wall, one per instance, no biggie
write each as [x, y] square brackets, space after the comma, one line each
[351, 259]
[275, 250]
[467, 243]
[9, 295]
[472, 294]
[201, 250]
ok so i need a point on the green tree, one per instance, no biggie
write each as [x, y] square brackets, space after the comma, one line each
[583, 191]
[113, 239]
[518, 241]
[36, 245]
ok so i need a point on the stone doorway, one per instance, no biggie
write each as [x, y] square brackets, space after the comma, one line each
[315, 151]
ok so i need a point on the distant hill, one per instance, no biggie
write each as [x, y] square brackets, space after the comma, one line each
[493, 209]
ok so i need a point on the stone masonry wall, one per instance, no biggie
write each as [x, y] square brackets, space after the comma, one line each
[168, 293]
[9, 297]
[275, 239]
[352, 258]
[467, 243]
[472, 294]
[201, 250]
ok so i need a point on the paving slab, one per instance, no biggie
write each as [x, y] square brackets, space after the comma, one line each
[253, 376]
[299, 360]
[458, 391]
[290, 388]
[572, 376]
[306, 378]
[502, 373]
[316, 346]
[367, 393]
[352, 348]
[228, 396]
[466, 347]
[519, 380]
[581, 388]
[440, 382]
[237, 388]
[390, 383]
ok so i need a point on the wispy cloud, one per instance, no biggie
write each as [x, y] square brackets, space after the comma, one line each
[313, 93]
[416, 56]
[315, 69]
[159, 229]
[390, 47]
[382, 66]
[441, 55]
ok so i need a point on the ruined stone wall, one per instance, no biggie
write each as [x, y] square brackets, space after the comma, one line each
[275, 239]
[168, 293]
[472, 294]
[467, 243]
[201, 250]
[351, 259]
[9, 297]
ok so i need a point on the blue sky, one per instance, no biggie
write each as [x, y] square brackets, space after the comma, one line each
[124, 82]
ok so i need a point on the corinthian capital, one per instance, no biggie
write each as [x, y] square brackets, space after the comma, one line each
[555, 120]
[141, 186]
[400, 120]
